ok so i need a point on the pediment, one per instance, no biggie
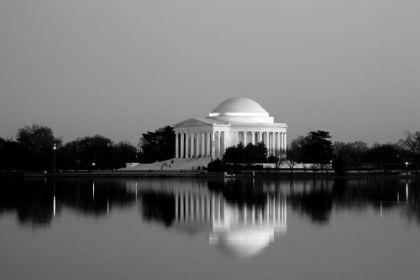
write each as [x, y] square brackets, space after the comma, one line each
[193, 122]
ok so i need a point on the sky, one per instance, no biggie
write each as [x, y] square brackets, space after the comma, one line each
[122, 68]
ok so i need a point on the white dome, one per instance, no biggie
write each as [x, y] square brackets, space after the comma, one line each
[243, 243]
[239, 107]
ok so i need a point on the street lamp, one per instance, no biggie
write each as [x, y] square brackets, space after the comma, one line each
[93, 165]
[406, 166]
[54, 148]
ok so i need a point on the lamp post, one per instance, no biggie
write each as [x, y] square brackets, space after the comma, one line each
[406, 167]
[93, 166]
[54, 148]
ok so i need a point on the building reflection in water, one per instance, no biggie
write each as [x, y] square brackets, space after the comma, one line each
[242, 232]
[240, 217]
[246, 232]
[238, 230]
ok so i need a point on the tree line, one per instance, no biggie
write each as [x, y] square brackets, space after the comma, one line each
[33, 149]
[317, 149]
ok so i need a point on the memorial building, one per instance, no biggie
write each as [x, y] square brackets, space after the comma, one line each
[235, 120]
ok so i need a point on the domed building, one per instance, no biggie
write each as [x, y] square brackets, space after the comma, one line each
[235, 120]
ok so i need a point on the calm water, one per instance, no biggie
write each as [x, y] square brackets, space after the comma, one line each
[209, 229]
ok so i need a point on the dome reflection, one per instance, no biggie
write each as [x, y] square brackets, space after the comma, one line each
[241, 232]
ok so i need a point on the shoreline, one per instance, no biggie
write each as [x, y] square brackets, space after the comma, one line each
[205, 174]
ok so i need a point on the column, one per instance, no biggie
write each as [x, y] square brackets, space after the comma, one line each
[278, 141]
[176, 145]
[253, 137]
[212, 144]
[259, 136]
[275, 141]
[182, 145]
[207, 144]
[272, 143]
[187, 138]
[203, 153]
[266, 142]
[197, 144]
[222, 143]
[204, 144]
[192, 145]
[218, 144]
[281, 140]
[285, 140]
[281, 147]
[244, 138]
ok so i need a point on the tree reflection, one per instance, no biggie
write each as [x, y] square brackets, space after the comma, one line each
[413, 212]
[158, 207]
[33, 205]
[36, 201]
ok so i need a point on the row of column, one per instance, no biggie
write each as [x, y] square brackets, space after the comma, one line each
[200, 144]
[213, 144]
[272, 140]
[195, 207]
[273, 213]
[210, 208]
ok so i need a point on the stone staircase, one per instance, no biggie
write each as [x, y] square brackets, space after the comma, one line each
[172, 164]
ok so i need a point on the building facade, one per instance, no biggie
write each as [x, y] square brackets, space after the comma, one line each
[235, 120]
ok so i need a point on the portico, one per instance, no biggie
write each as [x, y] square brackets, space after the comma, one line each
[233, 121]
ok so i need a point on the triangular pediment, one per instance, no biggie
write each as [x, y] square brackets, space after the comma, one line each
[193, 122]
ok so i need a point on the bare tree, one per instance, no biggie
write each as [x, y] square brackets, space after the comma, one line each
[356, 151]
[411, 142]
[293, 156]
[340, 149]
[278, 157]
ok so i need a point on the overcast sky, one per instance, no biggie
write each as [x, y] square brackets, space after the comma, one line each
[122, 68]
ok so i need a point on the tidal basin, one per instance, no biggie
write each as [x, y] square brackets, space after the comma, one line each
[187, 228]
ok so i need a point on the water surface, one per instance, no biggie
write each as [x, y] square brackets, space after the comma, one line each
[89, 228]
